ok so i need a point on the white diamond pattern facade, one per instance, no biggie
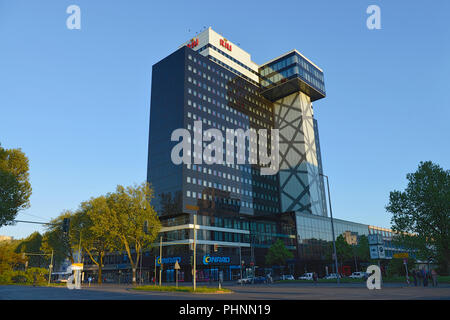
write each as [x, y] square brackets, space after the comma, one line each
[301, 186]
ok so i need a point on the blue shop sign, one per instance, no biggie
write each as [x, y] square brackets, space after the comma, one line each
[168, 260]
[207, 259]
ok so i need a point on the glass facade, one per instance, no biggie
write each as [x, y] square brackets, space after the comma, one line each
[390, 248]
[315, 238]
[222, 100]
[291, 66]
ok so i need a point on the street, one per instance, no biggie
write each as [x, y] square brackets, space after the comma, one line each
[278, 291]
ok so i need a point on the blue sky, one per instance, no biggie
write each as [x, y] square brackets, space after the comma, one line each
[77, 101]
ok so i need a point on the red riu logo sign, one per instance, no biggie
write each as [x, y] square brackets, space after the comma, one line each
[193, 43]
[225, 44]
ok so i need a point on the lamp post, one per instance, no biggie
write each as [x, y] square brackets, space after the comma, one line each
[332, 230]
[195, 253]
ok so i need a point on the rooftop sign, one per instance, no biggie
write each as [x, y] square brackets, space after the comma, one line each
[224, 43]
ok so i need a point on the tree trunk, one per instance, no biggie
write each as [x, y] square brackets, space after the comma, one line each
[100, 265]
[127, 249]
[134, 276]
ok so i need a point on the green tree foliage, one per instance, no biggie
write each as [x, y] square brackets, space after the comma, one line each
[32, 245]
[416, 244]
[96, 240]
[55, 239]
[128, 210]
[397, 268]
[9, 258]
[362, 248]
[278, 254]
[35, 276]
[15, 188]
[344, 251]
[423, 209]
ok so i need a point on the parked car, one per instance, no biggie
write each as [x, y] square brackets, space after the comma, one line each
[358, 275]
[332, 276]
[306, 276]
[287, 277]
[245, 280]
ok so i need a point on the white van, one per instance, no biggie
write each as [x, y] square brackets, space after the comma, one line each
[306, 276]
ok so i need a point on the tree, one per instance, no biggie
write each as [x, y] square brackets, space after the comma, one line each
[396, 267]
[344, 251]
[96, 240]
[129, 209]
[416, 244]
[15, 189]
[423, 210]
[362, 248]
[32, 244]
[9, 259]
[278, 254]
[55, 239]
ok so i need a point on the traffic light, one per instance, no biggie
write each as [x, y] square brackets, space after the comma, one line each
[216, 247]
[66, 225]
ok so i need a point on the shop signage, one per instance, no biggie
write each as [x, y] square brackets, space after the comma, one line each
[168, 260]
[207, 259]
[377, 252]
[375, 239]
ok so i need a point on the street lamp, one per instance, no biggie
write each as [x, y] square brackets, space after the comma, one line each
[332, 229]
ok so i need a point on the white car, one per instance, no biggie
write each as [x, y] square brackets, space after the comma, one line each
[306, 276]
[358, 275]
[332, 276]
[245, 280]
[287, 277]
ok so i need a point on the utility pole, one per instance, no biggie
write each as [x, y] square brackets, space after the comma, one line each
[332, 230]
[79, 250]
[160, 259]
[240, 261]
[50, 269]
[140, 269]
[252, 251]
[195, 256]
[155, 271]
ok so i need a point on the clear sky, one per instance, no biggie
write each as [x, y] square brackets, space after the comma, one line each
[78, 101]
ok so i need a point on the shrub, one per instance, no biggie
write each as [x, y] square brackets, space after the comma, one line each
[22, 277]
[19, 277]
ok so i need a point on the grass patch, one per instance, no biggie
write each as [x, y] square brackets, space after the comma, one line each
[343, 280]
[392, 279]
[40, 284]
[182, 289]
[440, 279]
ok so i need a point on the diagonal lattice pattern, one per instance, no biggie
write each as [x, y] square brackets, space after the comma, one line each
[301, 187]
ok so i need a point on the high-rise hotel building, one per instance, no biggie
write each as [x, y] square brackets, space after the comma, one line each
[239, 212]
